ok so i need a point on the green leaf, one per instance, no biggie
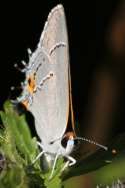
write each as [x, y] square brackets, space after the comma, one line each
[19, 132]
[56, 178]
[20, 149]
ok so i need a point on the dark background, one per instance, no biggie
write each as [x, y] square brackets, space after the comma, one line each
[21, 24]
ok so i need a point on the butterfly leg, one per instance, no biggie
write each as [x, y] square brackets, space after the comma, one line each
[71, 160]
[40, 154]
[54, 164]
[40, 144]
[65, 166]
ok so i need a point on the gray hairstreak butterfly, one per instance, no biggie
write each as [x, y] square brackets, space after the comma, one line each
[47, 89]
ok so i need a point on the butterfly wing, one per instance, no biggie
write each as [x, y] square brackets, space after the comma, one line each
[50, 106]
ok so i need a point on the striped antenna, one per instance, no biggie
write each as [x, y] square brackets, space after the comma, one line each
[91, 142]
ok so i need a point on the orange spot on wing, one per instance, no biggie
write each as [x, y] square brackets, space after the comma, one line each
[31, 84]
[25, 103]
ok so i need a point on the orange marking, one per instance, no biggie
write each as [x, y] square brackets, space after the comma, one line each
[70, 135]
[25, 103]
[31, 86]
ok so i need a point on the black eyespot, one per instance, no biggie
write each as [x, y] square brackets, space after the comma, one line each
[51, 74]
[51, 142]
[29, 81]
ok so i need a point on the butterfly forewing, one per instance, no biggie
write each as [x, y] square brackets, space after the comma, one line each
[50, 105]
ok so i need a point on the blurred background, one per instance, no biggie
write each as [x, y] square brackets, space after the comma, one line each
[97, 58]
